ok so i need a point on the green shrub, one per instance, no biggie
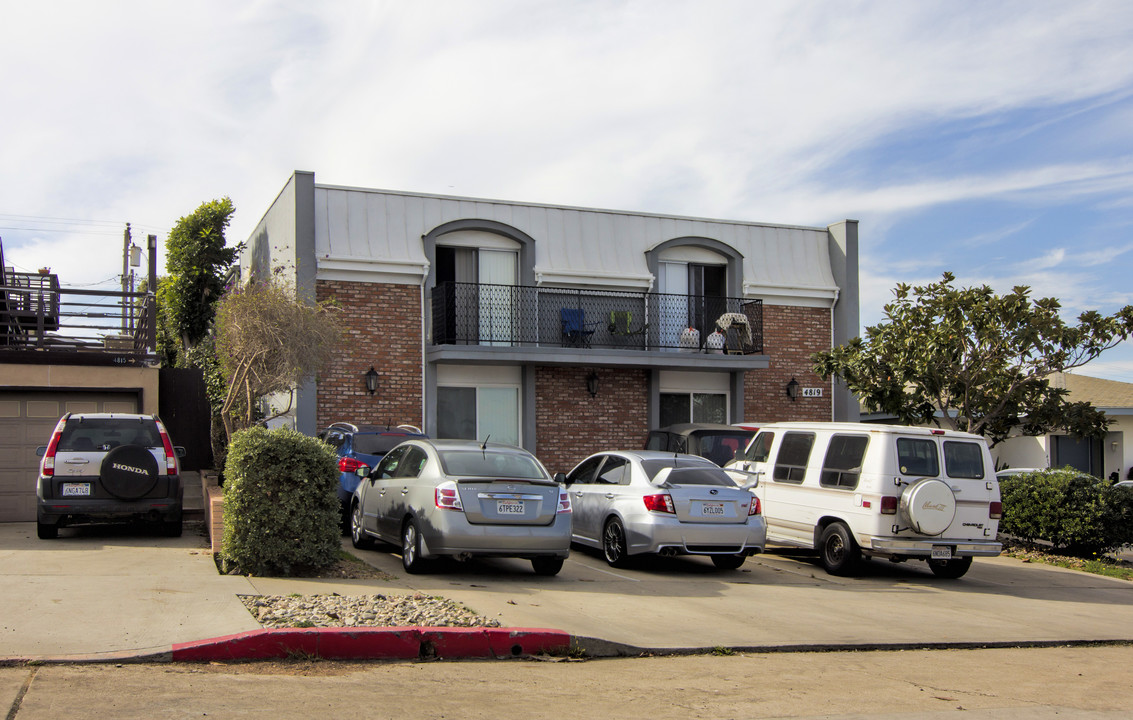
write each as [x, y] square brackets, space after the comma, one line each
[1077, 513]
[281, 513]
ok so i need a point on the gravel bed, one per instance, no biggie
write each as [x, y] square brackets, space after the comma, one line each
[287, 611]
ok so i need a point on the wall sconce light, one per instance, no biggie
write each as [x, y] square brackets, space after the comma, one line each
[793, 389]
[372, 380]
[592, 384]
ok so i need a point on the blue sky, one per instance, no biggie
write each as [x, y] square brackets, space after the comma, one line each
[990, 139]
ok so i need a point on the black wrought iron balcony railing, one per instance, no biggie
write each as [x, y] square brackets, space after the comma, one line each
[520, 315]
[37, 315]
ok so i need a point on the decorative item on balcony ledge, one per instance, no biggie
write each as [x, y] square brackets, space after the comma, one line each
[372, 380]
[793, 389]
[592, 384]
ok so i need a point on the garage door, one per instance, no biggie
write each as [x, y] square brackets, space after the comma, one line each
[26, 422]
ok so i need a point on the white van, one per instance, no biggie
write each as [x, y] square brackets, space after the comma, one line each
[851, 489]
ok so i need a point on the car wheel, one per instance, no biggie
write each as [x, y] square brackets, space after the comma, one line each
[728, 562]
[46, 531]
[547, 565]
[358, 536]
[950, 569]
[840, 554]
[411, 548]
[614, 543]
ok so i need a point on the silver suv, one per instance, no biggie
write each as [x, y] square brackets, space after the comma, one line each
[101, 467]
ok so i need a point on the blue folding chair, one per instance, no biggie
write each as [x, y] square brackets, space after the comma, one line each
[576, 331]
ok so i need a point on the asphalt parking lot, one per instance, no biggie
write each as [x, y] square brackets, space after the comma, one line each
[111, 593]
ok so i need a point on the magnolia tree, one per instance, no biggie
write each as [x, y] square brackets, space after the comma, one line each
[268, 341]
[976, 361]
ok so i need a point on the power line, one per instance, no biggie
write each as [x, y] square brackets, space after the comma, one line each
[43, 218]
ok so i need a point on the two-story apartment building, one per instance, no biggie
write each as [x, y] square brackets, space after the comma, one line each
[564, 330]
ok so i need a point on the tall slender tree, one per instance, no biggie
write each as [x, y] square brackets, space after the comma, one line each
[197, 259]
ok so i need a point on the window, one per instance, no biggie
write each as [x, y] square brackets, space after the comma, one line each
[964, 460]
[471, 413]
[760, 449]
[490, 464]
[843, 464]
[693, 407]
[917, 457]
[1083, 454]
[794, 452]
[413, 463]
[387, 468]
[613, 472]
[584, 473]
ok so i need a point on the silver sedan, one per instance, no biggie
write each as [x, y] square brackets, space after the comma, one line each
[459, 498]
[633, 502]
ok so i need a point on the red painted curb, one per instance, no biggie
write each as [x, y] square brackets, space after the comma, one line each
[399, 643]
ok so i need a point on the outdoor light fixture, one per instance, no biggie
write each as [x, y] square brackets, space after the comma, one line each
[372, 380]
[793, 389]
[592, 383]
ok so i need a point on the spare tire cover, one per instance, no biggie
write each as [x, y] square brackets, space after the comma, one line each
[929, 505]
[129, 472]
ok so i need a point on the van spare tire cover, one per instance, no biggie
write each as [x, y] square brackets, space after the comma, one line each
[129, 472]
[929, 505]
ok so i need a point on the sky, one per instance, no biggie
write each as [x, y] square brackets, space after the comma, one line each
[990, 139]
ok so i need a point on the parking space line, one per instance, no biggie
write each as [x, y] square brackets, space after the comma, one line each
[610, 572]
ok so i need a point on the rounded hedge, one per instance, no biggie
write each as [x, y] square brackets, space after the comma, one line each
[281, 513]
[1076, 513]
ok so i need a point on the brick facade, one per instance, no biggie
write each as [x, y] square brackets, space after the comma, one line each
[383, 330]
[570, 425]
[790, 336]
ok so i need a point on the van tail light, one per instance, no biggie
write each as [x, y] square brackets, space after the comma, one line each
[49, 456]
[995, 511]
[170, 454]
[564, 502]
[350, 465]
[660, 503]
[447, 497]
[754, 508]
[888, 505]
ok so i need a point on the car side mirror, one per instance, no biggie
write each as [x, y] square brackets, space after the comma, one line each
[179, 450]
[363, 471]
[561, 479]
[41, 451]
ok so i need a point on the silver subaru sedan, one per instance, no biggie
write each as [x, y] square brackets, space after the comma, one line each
[460, 499]
[634, 502]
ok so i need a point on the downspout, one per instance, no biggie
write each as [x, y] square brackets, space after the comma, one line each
[424, 344]
[833, 380]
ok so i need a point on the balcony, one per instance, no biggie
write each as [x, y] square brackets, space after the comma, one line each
[40, 322]
[543, 317]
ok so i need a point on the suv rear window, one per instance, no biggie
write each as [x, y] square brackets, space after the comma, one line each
[964, 460]
[917, 456]
[102, 434]
[376, 444]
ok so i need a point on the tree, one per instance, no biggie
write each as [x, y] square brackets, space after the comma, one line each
[977, 361]
[197, 261]
[267, 341]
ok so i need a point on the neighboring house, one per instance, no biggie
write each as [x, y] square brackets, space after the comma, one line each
[562, 330]
[1097, 456]
[65, 350]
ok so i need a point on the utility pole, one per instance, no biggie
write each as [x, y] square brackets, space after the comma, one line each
[125, 276]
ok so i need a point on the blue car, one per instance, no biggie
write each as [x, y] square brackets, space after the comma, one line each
[358, 446]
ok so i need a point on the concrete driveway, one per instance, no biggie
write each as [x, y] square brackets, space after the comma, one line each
[111, 593]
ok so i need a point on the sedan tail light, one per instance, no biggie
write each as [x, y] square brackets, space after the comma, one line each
[660, 503]
[447, 497]
[564, 502]
[350, 465]
[754, 508]
[995, 512]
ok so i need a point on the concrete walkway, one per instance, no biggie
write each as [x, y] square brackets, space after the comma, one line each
[115, 594]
